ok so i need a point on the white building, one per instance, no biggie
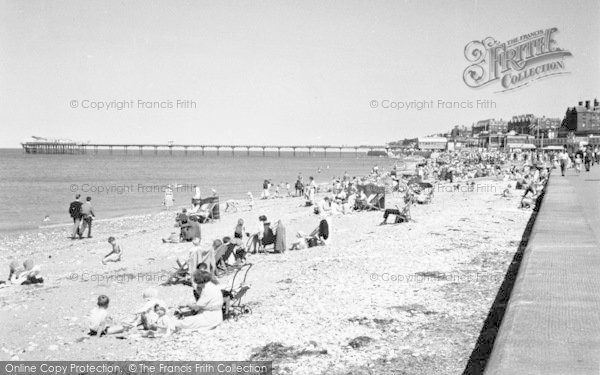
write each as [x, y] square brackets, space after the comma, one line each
[432, 143]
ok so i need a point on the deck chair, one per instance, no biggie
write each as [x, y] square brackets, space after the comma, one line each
[210, 218]
[205, 213]
[405, 215]
[180, 276]
[232, 298]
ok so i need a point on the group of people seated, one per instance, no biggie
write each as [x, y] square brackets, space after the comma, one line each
[152, 318]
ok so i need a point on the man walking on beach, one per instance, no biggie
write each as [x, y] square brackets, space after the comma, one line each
[87, 215]
[75, 212]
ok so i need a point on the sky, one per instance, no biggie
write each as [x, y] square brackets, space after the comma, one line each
[272, 72]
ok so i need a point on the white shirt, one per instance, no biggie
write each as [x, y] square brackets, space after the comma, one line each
[98, 318]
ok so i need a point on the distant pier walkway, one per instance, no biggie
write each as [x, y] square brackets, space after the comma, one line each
[83, 148]
[552, 321]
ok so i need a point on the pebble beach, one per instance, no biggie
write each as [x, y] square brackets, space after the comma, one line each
[400, 298]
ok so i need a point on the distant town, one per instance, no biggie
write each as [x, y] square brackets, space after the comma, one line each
[579, 126]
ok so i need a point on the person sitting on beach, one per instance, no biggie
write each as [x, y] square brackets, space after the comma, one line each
[99, 319]
[506, 192]
[207, 308]
[324, 207]
[115, 254]
[195, 207]
[255, 238]
[164, 322]
[219, 249]
[24, 274]
[145, 315]
[190, 230]
[230, 248]
[528, 200]
[402, 215]
[348, 205]
[317, 237]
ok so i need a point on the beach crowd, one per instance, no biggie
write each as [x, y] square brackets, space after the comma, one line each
[524, 173]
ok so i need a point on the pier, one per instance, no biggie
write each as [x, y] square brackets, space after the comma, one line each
[84, 148]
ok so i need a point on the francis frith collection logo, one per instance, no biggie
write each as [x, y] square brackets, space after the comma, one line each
[514, 63]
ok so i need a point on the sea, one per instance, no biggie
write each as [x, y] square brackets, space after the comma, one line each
[34, 187]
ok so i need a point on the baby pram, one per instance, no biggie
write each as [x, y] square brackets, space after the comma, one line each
[232, 298]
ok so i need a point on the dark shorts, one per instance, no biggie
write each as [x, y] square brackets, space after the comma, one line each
[95, 333]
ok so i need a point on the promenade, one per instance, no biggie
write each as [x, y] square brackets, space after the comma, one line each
[552, 322]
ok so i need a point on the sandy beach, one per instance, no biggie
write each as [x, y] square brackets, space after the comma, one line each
[408, 298]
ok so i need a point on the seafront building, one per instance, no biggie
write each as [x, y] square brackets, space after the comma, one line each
[582, 120]
[580, 126]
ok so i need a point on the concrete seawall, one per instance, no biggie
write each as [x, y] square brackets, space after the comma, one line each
[552, 321]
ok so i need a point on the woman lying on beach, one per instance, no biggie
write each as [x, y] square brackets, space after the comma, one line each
[24, 274]
[207, 308]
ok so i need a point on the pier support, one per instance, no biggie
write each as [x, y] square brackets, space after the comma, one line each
[155, 150]
[263, 152]
[170, 150]
[294, 148]
[248, 151]
[325, 151]
[126, 150]
[202, 151]
[279, 152]
[110, 149]
[185, 148]
[340, 152]
[232, 152]
[140, 147]
[96, 150]
[218, 150]
[309, 149]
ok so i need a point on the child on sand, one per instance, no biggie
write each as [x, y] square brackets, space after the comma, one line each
[115, 254]
[164, 322]
[145, 314]
[99, 319]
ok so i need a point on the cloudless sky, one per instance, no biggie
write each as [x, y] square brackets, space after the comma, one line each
[274, 72]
